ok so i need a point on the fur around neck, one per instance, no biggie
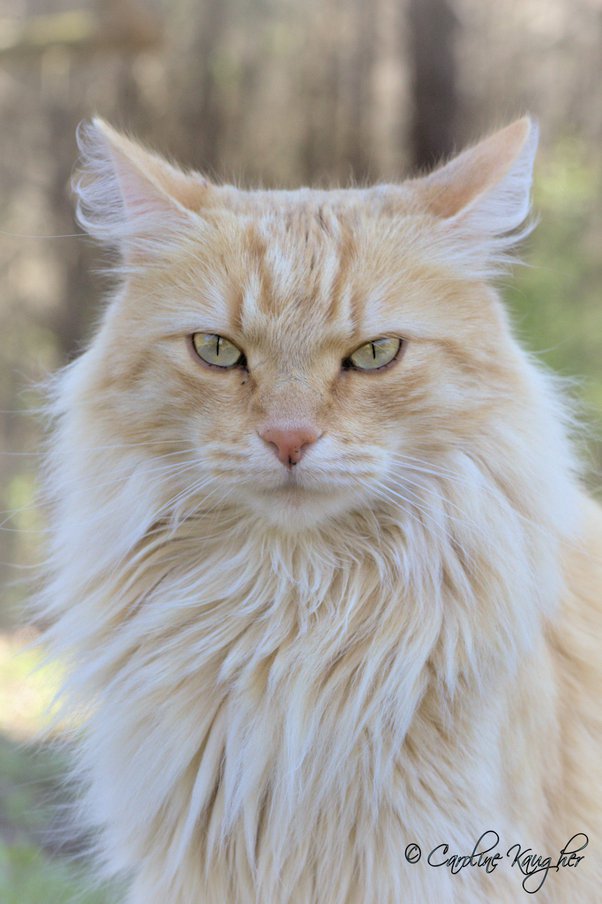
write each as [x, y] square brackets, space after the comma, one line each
[291, 674]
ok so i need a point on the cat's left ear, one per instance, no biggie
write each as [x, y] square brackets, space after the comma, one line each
[485, 193]
[130, 197]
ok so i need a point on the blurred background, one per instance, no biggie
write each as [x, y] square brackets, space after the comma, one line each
[260, 92]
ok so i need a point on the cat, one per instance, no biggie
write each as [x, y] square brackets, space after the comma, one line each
[323, 576]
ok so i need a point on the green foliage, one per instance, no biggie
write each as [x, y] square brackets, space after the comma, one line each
[26, 782]
[28, 686]
[27, 876]
[556, 297]
[32, 798]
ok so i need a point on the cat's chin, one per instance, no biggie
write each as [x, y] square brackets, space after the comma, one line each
[294, 508]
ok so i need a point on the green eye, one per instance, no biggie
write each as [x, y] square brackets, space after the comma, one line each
[374, 355]
[217, 350]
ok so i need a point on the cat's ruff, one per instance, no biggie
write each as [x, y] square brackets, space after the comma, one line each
[314, 611]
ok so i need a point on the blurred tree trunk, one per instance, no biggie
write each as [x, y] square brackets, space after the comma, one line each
[199, 33]
[322, 72]
[70, 319]
[432, 27]
[360, 77]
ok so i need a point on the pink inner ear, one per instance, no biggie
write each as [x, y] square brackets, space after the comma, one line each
[149, 184]
[130, 197]
[479, 170]
[146, 185]
[141, 197]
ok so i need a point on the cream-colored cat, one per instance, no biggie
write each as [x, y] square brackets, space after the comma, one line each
[326, 584]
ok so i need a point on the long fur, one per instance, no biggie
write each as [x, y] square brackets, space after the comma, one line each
[281, 690]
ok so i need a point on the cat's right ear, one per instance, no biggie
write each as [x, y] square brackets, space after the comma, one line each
[131, 198]
[482, 197]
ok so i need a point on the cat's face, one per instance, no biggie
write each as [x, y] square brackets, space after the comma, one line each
[308, 352]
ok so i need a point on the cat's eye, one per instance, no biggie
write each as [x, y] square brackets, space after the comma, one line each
[217, 350]
[374, 354]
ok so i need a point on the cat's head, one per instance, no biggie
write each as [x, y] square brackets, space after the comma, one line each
[298, 352]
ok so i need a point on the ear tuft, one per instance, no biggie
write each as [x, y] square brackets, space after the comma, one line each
[128, 196]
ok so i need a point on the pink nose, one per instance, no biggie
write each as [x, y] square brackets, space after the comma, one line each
[289, 445]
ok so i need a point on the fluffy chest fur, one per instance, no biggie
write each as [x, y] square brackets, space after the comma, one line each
[304, 702]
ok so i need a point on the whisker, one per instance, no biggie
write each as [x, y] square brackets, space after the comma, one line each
[484, 486]
[201, 505]
[442, 498]
[382, 491]
[428, 514]
[430, 524]
[107, 447]
[168, 470]
[185, 494]
[162, 533]
[418, 464]
[62, 235]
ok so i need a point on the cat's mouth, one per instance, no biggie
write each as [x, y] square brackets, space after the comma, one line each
[305, 483]
[296, 490]
[292, 506]
[302, 499]
[303, 496]
[294, 487]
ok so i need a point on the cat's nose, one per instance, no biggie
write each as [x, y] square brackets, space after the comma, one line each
[290, 444]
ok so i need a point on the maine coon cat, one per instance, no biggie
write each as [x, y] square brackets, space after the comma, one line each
[323, 575]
